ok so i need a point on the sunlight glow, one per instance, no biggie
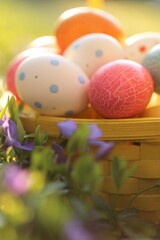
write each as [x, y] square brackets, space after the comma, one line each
[95, 3]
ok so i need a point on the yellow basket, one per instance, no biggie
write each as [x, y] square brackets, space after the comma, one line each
[136, 139]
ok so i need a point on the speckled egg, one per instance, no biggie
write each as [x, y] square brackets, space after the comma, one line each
[152, 63]
[15, 62]
[52, 85]
[138, 45]
[94, 50]
[120, 89]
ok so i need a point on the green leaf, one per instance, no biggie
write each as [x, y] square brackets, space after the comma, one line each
[120, 171]
[53, 212]
[2, 112]
[55, 187]
[78, 142]
[42, 158]
[21, 131]
[107, 212]
[20, 107]
[129, 172]
[87, 174]
[40, 137]
[13, 109]
[136, 227]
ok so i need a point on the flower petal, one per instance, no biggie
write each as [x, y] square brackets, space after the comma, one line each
[76, 231]
[67, 128]
[25, 146]
[16, 179]
[95, 131]
[104, 147]
[10, 129]
[61, 158]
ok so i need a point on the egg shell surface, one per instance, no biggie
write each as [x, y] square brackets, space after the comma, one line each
[93, 50]
[15, 62]
[152, 63]
[52, 85]
[77, 22]
[138, 45]
[151, 112]
[45, 42]
[120, 89]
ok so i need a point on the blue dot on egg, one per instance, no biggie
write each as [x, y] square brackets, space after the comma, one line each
[22, 76]
[54, 62]
[54, 88]
[37, 104]
[81, 79]
[99, 53]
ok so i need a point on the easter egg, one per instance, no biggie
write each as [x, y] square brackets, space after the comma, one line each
[154, 101]
[52, 85]
[80, 21]
[151, 112]
[120, 89]
[93, 50]
[45, 42]
[152, 63]
[16, 61]
[88, 113]
[138, 45]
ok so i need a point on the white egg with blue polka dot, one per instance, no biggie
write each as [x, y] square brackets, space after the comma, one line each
[93, 50]
[52, 85]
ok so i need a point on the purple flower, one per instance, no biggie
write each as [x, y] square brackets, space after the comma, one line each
[104, 147]
[11, 136]
[68, 127]
[16, 179]
[59, 151]
[76, 231]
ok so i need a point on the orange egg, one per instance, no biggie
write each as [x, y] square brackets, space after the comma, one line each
[80, 21]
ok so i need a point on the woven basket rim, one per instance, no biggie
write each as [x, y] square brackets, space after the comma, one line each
[139, 129]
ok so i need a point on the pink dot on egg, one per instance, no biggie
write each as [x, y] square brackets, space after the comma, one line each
[142, 49]
[120, 89]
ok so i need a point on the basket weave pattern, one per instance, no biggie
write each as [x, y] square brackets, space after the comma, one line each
[138, 141]
[147, 173]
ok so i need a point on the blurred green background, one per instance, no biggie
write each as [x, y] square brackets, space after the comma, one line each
[21, 21]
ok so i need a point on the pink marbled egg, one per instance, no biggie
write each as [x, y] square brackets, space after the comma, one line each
[120, 89]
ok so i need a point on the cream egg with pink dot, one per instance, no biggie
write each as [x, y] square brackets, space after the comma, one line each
[52, 85]
[138, 45]
[93, 50]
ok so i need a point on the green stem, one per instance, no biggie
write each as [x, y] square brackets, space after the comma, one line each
[59, 138]
[140, 192]
[104, 207]
[115, 200]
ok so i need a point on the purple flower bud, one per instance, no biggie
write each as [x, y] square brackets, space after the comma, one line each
[76, 231]
[95, 132]
[11, 136]
[16, 179]
[67, 128]
[59, 151]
